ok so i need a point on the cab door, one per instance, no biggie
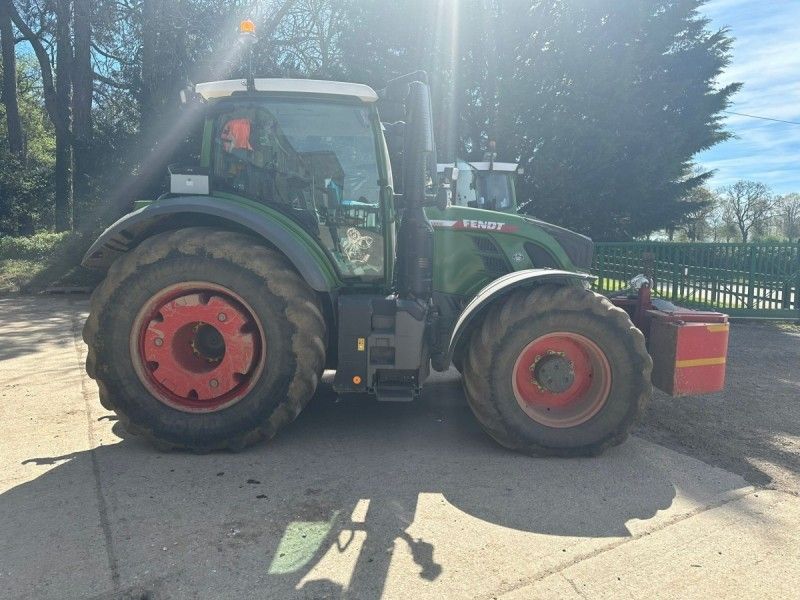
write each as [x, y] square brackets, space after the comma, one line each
[318, 160]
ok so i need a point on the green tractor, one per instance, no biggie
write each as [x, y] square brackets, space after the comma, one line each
[293, 247]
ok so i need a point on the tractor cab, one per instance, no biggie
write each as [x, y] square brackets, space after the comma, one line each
[311, 150]
[487, 185]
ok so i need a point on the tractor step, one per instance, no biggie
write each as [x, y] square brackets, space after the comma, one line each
[396, 393]
[397, 386]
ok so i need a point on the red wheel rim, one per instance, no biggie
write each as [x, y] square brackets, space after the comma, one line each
[561, 379]
[198, 347]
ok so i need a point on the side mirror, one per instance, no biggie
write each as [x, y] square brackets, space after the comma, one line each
[189, 97]
[446, 195]
[397, 89]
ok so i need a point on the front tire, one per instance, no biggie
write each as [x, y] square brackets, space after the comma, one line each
[557, 371]
[204, 340]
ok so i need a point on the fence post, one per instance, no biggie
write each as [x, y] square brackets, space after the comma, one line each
[788, 271]
[648, 265]
[751, 288]
[796, 267]
[675, 268]
[597, 267]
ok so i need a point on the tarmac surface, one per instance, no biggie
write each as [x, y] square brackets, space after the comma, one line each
[358, 499]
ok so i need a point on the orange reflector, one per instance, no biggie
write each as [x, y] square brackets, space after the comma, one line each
[357, 380]
[247, 26]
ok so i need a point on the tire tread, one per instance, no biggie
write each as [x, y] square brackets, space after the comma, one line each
[503, 316]
[302, 311]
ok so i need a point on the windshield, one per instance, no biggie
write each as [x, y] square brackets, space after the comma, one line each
[314, 160]
[494, 191]
[490, 190]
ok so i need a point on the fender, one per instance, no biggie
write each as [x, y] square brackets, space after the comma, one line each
[288, 237]
[502, 286]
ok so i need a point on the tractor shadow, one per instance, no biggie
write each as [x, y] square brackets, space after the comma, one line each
[349, 492]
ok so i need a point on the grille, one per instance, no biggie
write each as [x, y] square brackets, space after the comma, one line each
[540, 257]
[486, 244]
[494, 265]
[494, 261]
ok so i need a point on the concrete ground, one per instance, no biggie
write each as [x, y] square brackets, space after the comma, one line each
[366, 500]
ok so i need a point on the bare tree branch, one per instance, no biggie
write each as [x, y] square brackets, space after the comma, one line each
[273, 23]
[111, 82]
[107, 54]
[750, 205]
[48, 87]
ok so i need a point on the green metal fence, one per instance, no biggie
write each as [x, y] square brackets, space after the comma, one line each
[745, 280]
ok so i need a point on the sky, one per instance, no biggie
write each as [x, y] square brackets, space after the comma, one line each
[766, 58]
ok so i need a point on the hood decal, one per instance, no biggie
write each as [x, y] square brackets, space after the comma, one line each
[475, 225]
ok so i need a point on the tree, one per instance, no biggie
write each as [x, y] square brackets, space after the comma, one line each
[57, 98]
[606, 103]
[722, 225]
[82, 76]
[697, 223]
[63, 84]
[67, 50]
[750, 205]
[8, 93]
[26, 193]
[788, 209]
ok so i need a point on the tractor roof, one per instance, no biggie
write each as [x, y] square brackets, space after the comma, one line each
[498, 166]
[222, 89]
[483, 166]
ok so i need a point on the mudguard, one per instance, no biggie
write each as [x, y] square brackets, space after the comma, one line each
[502, 286]
[299, 247]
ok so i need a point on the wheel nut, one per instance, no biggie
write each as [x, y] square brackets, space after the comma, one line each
[158, 341]
[222, 317]
[213, 383]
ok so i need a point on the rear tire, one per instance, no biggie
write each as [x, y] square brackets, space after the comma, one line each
[583, 413]
[274, 353]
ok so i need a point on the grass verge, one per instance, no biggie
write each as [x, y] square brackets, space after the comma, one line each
[35, 263]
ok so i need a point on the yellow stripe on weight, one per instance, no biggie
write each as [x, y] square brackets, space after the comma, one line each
[718, 328]
[701, 362]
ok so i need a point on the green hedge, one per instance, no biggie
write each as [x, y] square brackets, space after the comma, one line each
[35, 247]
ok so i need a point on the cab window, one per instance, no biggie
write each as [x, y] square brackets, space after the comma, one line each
[315, 161]
[465, 188]
[494, 191]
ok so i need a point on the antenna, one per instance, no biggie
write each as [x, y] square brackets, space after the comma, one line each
[247, 36]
